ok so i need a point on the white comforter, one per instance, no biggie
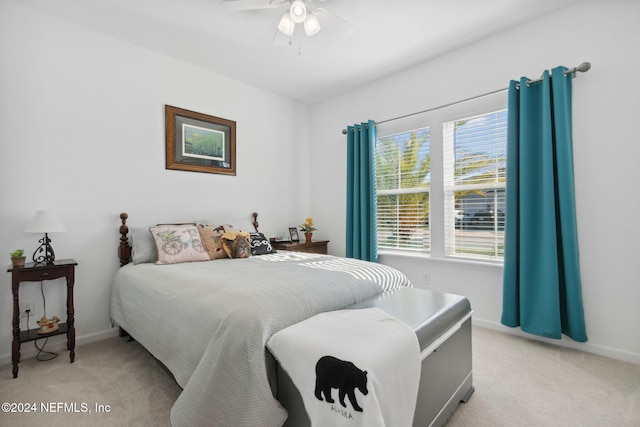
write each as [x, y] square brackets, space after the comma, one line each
[208, 322]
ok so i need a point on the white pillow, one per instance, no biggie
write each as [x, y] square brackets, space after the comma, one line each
[143, 246]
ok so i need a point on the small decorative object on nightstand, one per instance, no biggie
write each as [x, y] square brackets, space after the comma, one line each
[308, 229]
[18, 258]
[48, 325]
[37, 272]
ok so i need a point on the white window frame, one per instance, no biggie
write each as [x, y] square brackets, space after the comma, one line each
[477, 237]
[442, 208]
[419, 245]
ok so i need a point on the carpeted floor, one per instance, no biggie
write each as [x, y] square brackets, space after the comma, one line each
[111, 372]
[523, 382]
[518, 382]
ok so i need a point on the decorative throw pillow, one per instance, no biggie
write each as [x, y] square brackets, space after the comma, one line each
[212, 238]
[177, 244]
[236, 244]
[260, 245]
[143, 245]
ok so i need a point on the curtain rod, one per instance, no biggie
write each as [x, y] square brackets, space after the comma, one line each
[582, 68]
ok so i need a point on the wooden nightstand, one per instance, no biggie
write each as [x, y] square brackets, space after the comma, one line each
[318, 247]
[33, 272]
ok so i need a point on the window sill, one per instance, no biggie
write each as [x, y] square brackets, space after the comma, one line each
[458, 261]
[404, 254]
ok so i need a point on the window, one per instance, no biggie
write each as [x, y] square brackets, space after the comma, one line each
[475, 155]
[441, 178]
[402, 182]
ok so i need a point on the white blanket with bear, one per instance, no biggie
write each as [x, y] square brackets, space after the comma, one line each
[352, 367]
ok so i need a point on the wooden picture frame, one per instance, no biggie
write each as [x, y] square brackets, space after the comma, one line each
[293, 232]
[198, 142]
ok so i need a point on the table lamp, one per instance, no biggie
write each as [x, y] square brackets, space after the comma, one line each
[44, 222]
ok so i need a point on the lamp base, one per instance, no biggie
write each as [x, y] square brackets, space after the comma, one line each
[44, 254]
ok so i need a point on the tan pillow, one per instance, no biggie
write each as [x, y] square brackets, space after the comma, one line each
[211, 237]
[178, 244]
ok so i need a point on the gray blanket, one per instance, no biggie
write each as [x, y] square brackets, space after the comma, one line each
[209, 322]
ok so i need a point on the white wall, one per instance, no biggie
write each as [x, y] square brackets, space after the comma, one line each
[82, 134]
[606, 128]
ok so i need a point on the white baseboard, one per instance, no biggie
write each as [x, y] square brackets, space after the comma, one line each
[613, 353]
[58, 344]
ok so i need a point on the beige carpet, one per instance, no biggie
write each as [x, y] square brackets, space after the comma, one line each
[111, 372]
[519, 382]
[523, 382]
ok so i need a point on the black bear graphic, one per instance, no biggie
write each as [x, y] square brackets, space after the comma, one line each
[345, 376]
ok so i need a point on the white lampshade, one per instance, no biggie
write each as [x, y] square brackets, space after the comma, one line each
[311, 25]
[298, 11]
[286, 25]
[45, 222]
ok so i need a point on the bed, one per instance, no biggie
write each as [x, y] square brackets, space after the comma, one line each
[208, 321]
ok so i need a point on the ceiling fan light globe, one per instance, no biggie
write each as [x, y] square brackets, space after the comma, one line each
[311, 25]
[298, 11]
[286, 25]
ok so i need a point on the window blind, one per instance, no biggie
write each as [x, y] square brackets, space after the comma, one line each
[403, 166]
[474, 185]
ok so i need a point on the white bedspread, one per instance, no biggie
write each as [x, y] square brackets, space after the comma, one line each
[353, 368]
[209, 322]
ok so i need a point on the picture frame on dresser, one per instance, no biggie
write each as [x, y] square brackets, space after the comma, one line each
[293, 232]
[198, 142]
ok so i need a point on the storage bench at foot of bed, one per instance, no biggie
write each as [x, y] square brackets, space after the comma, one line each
[442, 323]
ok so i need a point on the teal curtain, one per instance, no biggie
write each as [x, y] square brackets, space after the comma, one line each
[541, 286]
[361, 192]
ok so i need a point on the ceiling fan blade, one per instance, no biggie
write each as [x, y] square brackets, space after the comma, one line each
[240, 5]
[333, 25]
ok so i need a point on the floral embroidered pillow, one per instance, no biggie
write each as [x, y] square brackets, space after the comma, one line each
[178, 244]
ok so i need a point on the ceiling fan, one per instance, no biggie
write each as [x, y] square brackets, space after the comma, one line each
[300, 13]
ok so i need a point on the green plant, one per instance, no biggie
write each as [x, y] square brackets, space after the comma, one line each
[19, 253]
[307, 226]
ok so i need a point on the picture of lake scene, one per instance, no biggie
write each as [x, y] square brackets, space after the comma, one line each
[202, 143]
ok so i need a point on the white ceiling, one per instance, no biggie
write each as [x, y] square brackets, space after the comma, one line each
[390, 35]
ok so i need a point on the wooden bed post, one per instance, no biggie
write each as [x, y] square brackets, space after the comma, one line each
[255, 220]
[124, 253]
[124, 250]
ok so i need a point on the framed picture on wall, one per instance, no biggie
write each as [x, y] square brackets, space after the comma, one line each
[198, 142]
[293, 232]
